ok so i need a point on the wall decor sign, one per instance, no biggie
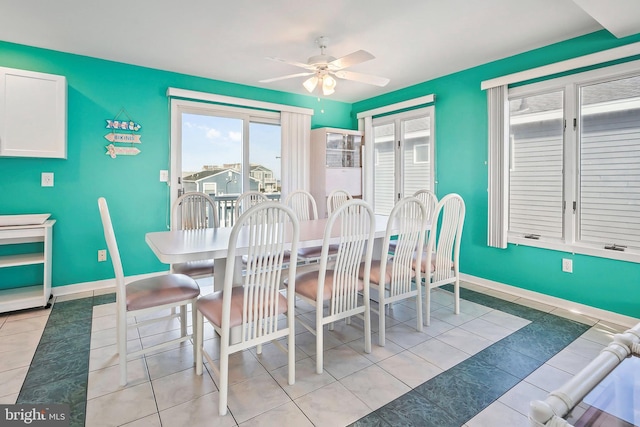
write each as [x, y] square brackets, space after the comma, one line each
[114, 151]
[122, 133]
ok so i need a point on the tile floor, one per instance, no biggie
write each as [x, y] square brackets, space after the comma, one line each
[479, 368]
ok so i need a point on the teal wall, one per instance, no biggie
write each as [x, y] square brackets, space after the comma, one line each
[461, 154]
[98, 90]
[138, 201]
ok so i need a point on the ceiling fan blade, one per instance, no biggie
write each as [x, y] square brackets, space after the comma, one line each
[362, 78]
[295, 63]
[351, 59]
[290, 76]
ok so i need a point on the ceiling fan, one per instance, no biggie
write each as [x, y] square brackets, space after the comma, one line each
[322, 67]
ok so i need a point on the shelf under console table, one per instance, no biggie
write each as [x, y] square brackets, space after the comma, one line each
[30, 296]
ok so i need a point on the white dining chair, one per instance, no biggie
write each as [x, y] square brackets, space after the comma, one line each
[429, 199]
[192, 211]
[254, 305]
[440, 263]
[336, 198]
[335, 293]
[305, 208]
[145, 296]
[393, 276]
[247, 200]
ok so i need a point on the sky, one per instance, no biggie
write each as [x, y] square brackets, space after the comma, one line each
[209, 140]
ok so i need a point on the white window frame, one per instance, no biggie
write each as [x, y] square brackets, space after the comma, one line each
[570, 84]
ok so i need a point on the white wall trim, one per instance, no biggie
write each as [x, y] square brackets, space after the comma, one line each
[98, 284]
[567, 65]
[232, 100]
[593, 312]
[427, 99]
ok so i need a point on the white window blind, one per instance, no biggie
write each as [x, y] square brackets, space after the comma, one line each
[536, 164]
[609, 208]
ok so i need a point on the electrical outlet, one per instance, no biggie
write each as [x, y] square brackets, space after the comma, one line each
[102, 255]
[47, 179]
[567, 265]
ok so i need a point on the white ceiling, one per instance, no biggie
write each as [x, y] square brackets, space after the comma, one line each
[413, 40]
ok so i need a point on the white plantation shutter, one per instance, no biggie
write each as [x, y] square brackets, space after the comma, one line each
[609, 199]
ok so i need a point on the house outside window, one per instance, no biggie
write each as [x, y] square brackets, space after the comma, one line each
[574, 162]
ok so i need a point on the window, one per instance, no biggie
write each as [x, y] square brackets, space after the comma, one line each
[402, 156]
[574, 163]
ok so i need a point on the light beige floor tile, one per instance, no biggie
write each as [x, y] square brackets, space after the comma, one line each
[272, 357]
[410, 368]
[473, 309]
[12, 380]
[343, 360]
[574, 315]
[107, 380]
[170, 361]
[406, 336]
[585, 348]
[402, 312]
[498, 414]
[521, 395]
[603, 333]
[440, 353]
[9, 399]
[28, 314]
[181, 387]
[243, 366]
[104, 310]
[253, 397]
[108, 337]
[74, 296]
[486, 329]
[104, 357]
[121, 407]
[466, 341]
[375, 386]
[307, 380]
[106, 322]
[163, 337]
[12, 327]
[548, 378]
[436, 327]
[505, 320]
[332, 405]
[285, 415]
[535, 304]
[378, 353]
[10, 360]
[152, 420]
[446, 314]
[199, 412]
[25, 341]
[569, 361]
[444, 298]
[104, 291]
[306, 341]
[499, 294]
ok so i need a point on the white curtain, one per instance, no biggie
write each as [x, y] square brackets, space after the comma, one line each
[296, 143]
[498, 164]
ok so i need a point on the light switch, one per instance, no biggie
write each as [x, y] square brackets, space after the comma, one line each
[164, 175]
[47, 179]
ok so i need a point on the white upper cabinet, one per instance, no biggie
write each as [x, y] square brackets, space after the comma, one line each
[33, 114]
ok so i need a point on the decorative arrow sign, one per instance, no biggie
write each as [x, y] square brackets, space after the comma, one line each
[114, 151]
[123, 124]
[123, 137]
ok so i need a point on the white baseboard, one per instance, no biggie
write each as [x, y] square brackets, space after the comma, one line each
[586, 310]
[98, 285]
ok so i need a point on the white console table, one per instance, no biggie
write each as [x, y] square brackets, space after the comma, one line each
[29, 296]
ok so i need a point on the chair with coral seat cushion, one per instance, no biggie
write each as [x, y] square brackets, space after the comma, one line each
[145, 296]
[192, 211]
[336, 291]
[393, 276]
[443, 249]
[253, 306]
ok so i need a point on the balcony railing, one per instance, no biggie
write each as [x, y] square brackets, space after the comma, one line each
[227, 206]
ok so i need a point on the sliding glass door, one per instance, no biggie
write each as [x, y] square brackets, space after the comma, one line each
[223, 152]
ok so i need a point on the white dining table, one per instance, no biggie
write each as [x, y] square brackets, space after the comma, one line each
[177, 246]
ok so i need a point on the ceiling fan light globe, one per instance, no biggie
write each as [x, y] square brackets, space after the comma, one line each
[310, 84]
[328, 85]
